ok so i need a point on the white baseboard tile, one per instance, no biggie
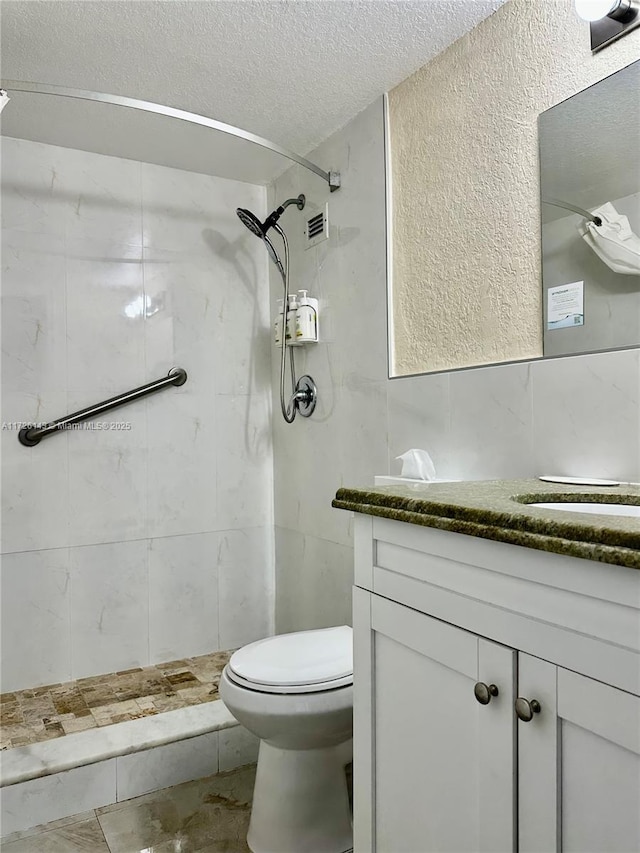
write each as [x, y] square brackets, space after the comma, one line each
[49, 798]
[237, 747]
[163, 766]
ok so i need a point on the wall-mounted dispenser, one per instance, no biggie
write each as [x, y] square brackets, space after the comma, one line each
[301, 323]
[307, 319]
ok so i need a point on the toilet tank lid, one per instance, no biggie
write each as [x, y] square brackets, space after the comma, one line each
[304, 657]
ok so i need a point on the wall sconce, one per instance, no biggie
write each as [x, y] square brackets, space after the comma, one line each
[609, 19]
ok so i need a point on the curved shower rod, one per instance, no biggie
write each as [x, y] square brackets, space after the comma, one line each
[556, 202]
[332, 178]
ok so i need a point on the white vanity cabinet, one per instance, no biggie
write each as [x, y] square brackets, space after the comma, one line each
[449, 631]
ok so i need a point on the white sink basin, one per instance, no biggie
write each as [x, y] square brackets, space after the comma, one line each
[601, 509]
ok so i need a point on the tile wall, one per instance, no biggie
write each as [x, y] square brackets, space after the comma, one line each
[578, 415]
[127, 547]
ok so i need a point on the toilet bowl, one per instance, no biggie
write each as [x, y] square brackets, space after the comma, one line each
[295, 692]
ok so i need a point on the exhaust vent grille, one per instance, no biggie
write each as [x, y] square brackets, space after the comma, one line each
[317, 227]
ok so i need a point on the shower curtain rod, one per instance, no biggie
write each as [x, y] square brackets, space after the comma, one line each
[556, 202]
[332, 178]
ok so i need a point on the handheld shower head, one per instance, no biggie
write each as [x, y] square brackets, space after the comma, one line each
[251, 221]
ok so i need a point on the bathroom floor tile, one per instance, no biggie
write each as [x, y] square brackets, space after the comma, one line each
[208, 815]
[82, 836]
[42, 713]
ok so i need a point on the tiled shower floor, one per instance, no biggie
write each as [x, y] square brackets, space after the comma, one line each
[43, 713]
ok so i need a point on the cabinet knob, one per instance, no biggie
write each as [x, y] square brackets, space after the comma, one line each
[525, 709]
[483, 692]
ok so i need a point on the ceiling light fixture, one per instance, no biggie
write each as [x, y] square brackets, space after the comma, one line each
[609, 19]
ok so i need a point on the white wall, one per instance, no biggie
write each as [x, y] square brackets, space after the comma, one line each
[578, 415]
[125, 548]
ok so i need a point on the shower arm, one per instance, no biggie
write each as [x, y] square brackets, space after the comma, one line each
[332, 178]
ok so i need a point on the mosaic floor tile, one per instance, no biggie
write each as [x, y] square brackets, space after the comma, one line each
[43, 713]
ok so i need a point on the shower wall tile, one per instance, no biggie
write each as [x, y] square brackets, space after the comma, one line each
[30, 201]
[183, 596]
[105, 321]
[35, 480]
[114, 272]
[245, 586]
[189, 212]
[244, 467]
[587, 415]
[34, 343]
[108, 478]
[35, 622]
[104, 196]
[109, 608]
[181, 451]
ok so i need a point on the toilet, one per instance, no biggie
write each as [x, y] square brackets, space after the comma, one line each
[295, 692]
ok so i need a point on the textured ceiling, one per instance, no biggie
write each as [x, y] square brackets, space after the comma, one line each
[293, 71]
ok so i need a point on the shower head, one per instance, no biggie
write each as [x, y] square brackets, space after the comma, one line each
[251, 221]
[260, 228]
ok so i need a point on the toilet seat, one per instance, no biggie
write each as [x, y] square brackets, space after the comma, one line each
[302, 662]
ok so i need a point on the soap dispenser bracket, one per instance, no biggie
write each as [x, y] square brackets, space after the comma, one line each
[306, 396]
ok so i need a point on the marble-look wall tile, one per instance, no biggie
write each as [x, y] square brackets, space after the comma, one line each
[114, 272]
[30, 201]
[35, 480]
[245, 586]
[153, 769]
[53, 797]
[314, 579]
[244, 467]
[34, 386]
[186, 211]
[104, 196]
[346, 440]
[587, 415]
[237, 747]
[36, 647]
[491, 423]
[418, 411]
[105, 321]
[183, 596]
[34, 333]
[109, 608]
[182, 450]
[107, 477]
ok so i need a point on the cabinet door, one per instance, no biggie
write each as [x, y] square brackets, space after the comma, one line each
[579, 764]
[433, 768]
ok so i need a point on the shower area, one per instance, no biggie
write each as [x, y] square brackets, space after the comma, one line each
[138, 543]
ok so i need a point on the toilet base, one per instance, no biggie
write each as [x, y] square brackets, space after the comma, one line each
[300, 801]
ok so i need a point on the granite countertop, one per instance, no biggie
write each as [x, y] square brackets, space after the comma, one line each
[497, 509]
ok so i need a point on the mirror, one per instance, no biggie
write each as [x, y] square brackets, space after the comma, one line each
[590, 217]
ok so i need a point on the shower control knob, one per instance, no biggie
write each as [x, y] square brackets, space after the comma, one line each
[483, 692]
[525, 709]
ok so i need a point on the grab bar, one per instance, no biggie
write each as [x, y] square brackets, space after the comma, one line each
[30, 436]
